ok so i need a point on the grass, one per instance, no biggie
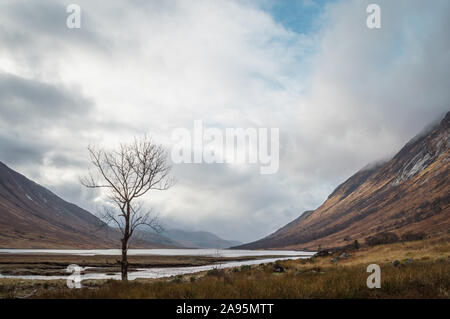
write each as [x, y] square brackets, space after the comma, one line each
[423, 272]
[19, 288]
[417, 280]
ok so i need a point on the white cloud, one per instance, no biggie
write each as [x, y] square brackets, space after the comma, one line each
[152, 66]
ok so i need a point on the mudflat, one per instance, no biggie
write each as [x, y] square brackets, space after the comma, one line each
[53, 265]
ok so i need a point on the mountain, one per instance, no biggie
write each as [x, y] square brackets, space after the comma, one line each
[151, 236]
[198, 239]
[186, 239]
[407, 194]
[31, 216]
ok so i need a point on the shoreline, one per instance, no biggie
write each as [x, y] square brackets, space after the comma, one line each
[417, 269]
[55, 265]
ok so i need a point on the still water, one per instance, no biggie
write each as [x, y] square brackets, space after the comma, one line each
[166, 271]
[161, 252]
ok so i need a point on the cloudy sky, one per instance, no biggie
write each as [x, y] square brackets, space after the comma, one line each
[342, 95]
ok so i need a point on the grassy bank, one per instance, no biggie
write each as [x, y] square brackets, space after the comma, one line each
[418, 269]
[419, 280]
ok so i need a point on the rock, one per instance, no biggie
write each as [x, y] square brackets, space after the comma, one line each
[344, 255]
[322, 253]
[396, 263]
[278, 268]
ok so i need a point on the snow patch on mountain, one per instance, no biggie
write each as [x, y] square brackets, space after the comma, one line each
[422, 160]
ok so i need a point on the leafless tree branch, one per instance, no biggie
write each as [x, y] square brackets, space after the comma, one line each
[127, 174]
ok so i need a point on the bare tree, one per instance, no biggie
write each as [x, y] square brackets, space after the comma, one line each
[127, 174]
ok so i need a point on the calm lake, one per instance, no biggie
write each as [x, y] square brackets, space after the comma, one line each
[162, 272]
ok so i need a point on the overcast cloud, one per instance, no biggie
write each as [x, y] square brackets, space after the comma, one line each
[342, 95]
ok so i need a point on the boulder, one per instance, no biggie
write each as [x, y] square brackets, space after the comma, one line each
[278, 268]
[344, 255]
[322, 253]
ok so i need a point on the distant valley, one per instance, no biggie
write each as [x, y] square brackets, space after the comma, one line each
[198, 239]
[409, 194]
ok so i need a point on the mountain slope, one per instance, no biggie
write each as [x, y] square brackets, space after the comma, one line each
[409, 193]
[31, 216]
[198, 239]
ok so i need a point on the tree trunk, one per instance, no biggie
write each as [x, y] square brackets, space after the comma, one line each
[126, 237]
[124, 262]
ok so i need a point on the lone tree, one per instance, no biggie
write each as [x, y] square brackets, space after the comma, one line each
[127, 174]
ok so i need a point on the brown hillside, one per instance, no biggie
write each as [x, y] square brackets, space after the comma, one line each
[33, 217]
[409, 193]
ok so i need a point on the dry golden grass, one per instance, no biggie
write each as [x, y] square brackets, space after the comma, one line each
[418, 280]
[425, 275]
[428, 249]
